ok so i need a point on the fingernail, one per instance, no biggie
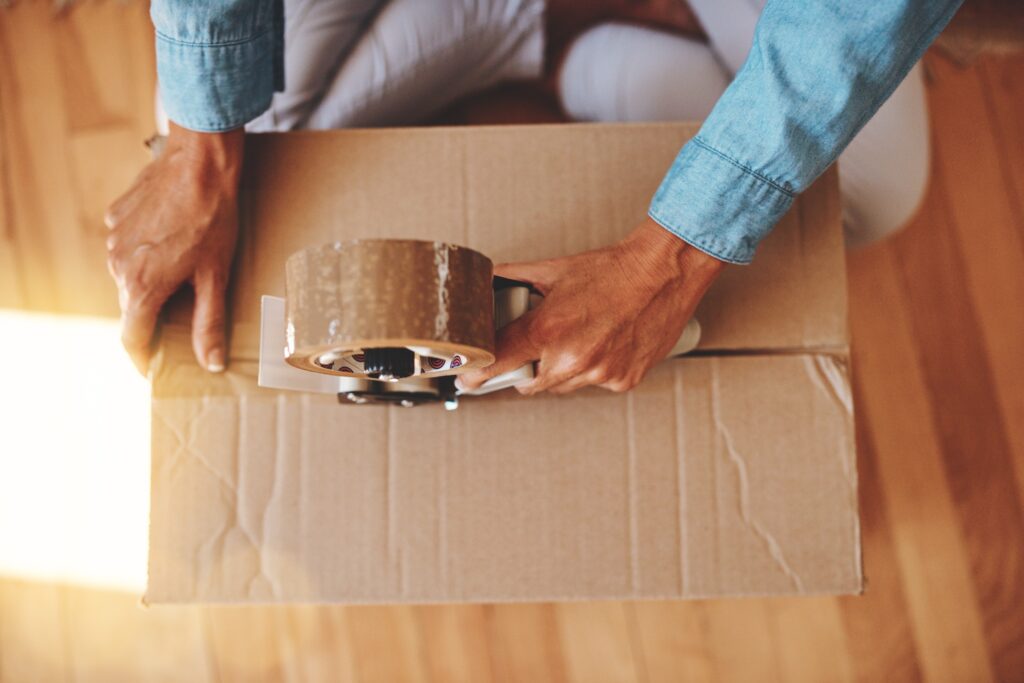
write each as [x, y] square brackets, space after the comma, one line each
[215, 361]
[458, 384]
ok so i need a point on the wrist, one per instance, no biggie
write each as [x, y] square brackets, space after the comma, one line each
[668, 253]
[211, 153]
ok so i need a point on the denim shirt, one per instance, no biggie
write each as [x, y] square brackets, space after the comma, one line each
[817, 71]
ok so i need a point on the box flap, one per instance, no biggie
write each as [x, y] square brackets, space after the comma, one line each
[522, 193]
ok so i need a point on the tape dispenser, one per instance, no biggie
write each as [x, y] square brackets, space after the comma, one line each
[384, 321]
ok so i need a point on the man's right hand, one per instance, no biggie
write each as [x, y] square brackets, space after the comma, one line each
[178, 223]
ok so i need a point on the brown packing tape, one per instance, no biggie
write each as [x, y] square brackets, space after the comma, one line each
[348, 297]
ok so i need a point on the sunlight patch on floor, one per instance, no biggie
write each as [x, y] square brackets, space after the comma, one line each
[74, 453]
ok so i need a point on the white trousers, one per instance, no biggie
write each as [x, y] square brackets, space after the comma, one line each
[618, 72]
[352, 63]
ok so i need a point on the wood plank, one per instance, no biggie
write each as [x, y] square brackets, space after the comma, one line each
[748, 622]
[986, 134]
[93, 71]
[243, 643]
[965, 411]
[525, 643]
[11, 294]
[1003, 88]
[811, 639]
[99, 80]
[596, 642]
[57, 140]
[33, 642]
[110, 631]
[455, 643]
[10, 276]
[1000, 82]
[101, 91]
[315, 644]
[940, 596]
[672, 643]
[879, 635]
[387, 644]
[139, 43]
[26, 243]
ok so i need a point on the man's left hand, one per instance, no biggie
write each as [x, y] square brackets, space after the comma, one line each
[608, 315]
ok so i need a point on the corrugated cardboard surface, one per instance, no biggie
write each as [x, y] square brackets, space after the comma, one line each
[731, 473]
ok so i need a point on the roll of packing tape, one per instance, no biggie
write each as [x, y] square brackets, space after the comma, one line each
[349, 303]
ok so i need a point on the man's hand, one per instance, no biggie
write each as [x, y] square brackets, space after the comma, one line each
[178, 223]
[608, 315]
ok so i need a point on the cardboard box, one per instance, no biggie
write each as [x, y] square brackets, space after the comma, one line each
[731, 472]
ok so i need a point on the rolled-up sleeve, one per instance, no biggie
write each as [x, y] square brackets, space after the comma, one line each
[817, 71]
[218, 63]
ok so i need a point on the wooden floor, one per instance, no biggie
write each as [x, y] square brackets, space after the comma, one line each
[938, 338]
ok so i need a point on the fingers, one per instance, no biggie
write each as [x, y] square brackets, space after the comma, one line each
[138, 321]
[542, 382]
[597, 378]
[540, 274]
[208, 320]
[562, 375]
[573, 383]
[112, 216]
[514, 350]
[140, 298]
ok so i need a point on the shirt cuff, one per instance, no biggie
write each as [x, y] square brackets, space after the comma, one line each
[218, 87]
[717, 204]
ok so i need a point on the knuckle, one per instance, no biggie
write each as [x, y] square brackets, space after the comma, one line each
[526, 389]
[136, 283]
[115, 261]
[139, 289]
[578, 362]
[621, 384]
[574, 363]
[600, 374]
[114, 269]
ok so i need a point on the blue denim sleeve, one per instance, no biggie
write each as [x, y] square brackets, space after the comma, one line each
[218, 63]
[817, 71]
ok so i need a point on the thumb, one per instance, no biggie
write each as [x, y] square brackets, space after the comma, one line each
[540, 274]
[208, 320]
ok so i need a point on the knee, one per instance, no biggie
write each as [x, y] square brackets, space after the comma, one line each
[619, 72]
[884, 173]
[876, 209]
